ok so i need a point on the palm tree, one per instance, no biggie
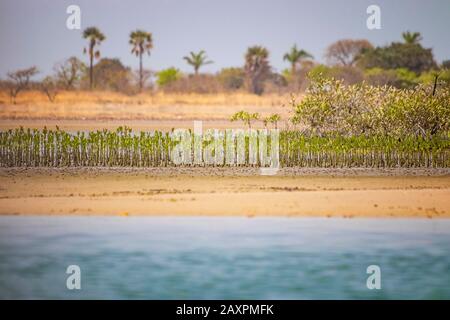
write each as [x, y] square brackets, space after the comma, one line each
[411, 37]
[257, 67]
[142, 42]
[295, 56]
[95, 37]
[197, 60]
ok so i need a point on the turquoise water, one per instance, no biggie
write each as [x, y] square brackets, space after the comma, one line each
[223, 258]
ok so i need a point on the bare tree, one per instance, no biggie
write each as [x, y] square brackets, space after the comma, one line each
[50, 88]
[345, 52]
[143, 76]
[69, 72]
[20, 80]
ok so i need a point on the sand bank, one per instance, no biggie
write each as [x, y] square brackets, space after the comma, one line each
[226, 192]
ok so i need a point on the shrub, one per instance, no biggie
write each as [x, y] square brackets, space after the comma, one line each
[348, 74]
[400, 78]
[110, 74]
[380, 77]
[330, 106]
[429, 77]
[231, 78]
[167, 76]
[200, 83]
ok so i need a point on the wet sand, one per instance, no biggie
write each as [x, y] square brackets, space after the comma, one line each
[349, 193]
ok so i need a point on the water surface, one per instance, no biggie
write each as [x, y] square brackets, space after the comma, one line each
[223, 258]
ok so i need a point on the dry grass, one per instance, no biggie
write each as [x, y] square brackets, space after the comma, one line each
[100, 105]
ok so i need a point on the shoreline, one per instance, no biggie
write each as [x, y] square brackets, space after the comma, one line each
[227, 192]
[236, 171]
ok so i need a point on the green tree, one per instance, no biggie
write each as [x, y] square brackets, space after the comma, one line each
[141, 42]
[167, 76]
[94, 37]
[411, 37]
[399, 55]
[257, 68]
[197, 60]
[294, 56]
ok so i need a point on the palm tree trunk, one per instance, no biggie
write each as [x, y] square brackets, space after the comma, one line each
[140, 72]
[91, 71]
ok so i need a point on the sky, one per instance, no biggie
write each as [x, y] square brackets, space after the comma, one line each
[34, 32]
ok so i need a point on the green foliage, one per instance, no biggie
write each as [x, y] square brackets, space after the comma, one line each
[294, 56]
[376, 151]
[380, 77]
[141, 42]
[411, 56]
[332, 107]
[411, 37]
[400, 78]
[405, 78]
[125, 148]
[95, 37]
[348, 74]
[167, 76]
[320, 70]
[429, 77]
[196, 60]
[273, 119]
[245, 117]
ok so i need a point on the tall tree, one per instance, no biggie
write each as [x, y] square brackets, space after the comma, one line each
[197, 60]
[95, 37]
[294, 57]
[257, 67]
[346, 52]
[141, 42]
[411, 37]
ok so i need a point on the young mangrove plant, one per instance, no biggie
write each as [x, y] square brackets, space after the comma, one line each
[125, 148]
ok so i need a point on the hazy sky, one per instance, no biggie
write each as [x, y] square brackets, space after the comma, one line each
[33, 32]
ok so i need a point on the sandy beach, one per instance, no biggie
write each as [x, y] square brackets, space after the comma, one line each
[293, 192]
